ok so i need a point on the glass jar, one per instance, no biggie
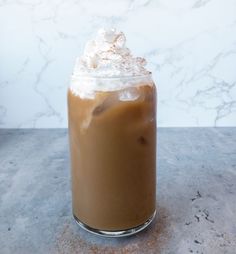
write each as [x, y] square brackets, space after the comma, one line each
[113, 153]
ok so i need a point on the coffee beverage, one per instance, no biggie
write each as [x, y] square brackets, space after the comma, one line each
[112, 131]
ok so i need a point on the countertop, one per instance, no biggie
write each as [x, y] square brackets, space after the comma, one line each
[196, 195]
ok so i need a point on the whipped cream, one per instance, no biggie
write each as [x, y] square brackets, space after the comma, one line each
[106, 57]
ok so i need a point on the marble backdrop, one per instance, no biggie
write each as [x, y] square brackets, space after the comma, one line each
[190, 46]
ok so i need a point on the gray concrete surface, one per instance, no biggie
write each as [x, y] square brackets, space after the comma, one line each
[196, 197]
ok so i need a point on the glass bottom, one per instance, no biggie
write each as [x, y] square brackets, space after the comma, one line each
[118, 233]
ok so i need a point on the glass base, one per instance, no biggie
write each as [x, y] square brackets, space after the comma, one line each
[118, 233]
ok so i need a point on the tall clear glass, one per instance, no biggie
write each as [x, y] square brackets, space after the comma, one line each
[112, 138]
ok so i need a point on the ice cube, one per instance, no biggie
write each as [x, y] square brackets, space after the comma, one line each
[107, 103]
[129, 94]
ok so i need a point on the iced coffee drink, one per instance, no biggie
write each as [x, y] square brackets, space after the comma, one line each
[112, 131]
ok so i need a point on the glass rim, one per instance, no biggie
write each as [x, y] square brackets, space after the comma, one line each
[148, 75]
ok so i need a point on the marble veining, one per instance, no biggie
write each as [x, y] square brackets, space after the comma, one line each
[190, 46]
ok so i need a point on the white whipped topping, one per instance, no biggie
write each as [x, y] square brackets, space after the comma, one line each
[107, 57]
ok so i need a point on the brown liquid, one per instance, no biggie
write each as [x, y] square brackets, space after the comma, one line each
[113, 157]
